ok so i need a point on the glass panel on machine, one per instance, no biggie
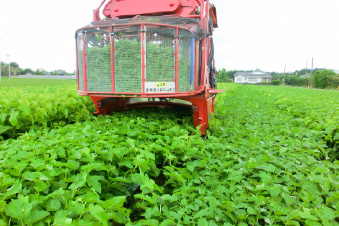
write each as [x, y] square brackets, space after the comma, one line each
[160, 59]
[127, 59]
[98, 60]
[186, 58]
[160, 49]
[80, 61]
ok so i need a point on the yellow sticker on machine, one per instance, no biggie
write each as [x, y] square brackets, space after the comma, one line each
[160, 84]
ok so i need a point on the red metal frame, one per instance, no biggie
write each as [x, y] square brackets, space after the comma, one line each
[84, 61]
[203, 96]
[112, 61]
[176, 61]
[143, 58]
[77, 63]
[196, 65]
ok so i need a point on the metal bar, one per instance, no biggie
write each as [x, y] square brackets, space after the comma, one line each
[143, 57]
[110, 94]
[77, 59]
[177, 60]
[138, 24]
[201, 4]
[96, 12]
[193, 16]
[112, 60]
[196, 64]
[208, 41]
[203, 62]
[84, 61]
[202, 10]
[192, 60]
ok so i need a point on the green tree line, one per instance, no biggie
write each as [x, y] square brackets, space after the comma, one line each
[321, 78]
[326, 79]
[16, 70]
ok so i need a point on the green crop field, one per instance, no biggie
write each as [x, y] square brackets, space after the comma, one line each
[270, 158]
[19, 82]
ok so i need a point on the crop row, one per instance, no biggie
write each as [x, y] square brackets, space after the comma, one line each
[24, 108]
[261, 164]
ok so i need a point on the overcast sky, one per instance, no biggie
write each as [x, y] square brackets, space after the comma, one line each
[264, 34]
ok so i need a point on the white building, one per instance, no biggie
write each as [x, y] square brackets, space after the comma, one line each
[256, 76]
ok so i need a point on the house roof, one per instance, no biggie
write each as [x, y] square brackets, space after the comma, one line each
[255, 73]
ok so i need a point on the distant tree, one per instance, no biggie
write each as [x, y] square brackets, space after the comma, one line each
[27, 71]
[14, 65]
[277, 76]
[333, 81]
[294, 80]
[40, 72]
[4, 69]
[15, 70]
[59, 72]
[222, 76]
[324, 79]
[276, 82]
[232, 73]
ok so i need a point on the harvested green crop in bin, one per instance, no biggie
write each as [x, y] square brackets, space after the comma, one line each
[160, 65]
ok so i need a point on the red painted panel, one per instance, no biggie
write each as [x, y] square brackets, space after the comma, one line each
[123, 8]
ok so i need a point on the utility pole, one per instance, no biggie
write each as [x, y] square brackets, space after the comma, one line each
[306, 67]
[9, 67]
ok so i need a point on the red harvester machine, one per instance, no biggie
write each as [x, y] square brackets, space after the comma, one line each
[149, 53]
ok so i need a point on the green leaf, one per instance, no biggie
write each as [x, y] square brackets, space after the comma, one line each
[89, 196]
[13, 119]
[93, 181]
[57, 193]
[146, 198]
[336, 137]
[4, 129]
[268, 167]
[167, 222]
[168, 197]
[190, 168]
[3, 117]
[60, 221]
[202, 222]
[79, 181]
[32, 176]
[14, 209]
[241, 214]
[306, 214]
[275, 191]
[326, 214]
[41, 186]
[36, 163]
[53, 205]
[119, 217]
[201, 213]
[16, 188]
[151, 212]
[35, 216]
[19, 208]
[116, 202]
[61, 218]
[99, 213]
[175, 215]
